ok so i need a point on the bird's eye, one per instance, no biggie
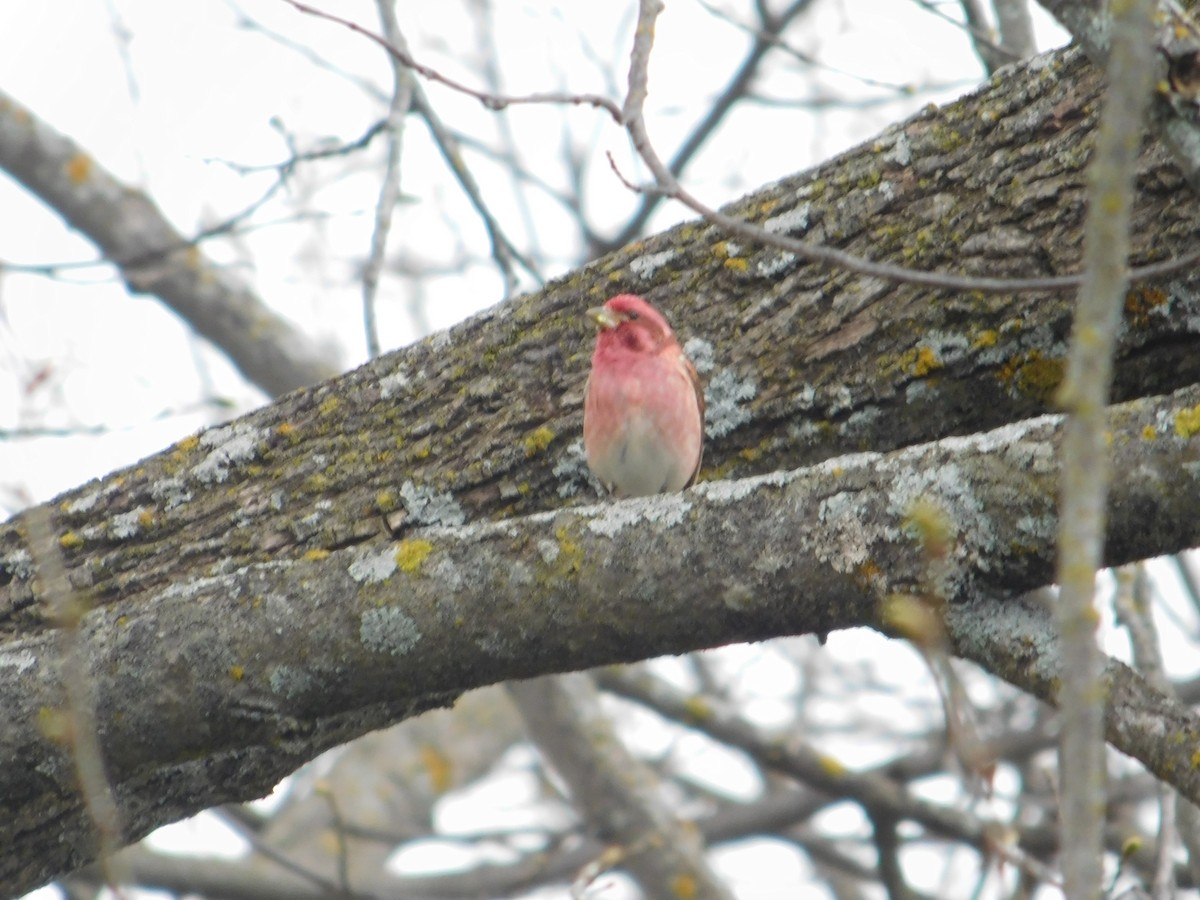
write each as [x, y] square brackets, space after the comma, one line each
[632, 316]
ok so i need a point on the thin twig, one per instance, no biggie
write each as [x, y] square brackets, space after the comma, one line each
[1084, 453]
[281, 859]
[1133, 607]
[389, 190]
[737, 88]
[491, 101]
[75, 725]
[630, 115]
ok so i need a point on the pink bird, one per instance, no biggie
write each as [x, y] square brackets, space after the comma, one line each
[643, 415]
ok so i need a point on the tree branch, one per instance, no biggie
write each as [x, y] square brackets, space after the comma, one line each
[153, 257]
[213, 688]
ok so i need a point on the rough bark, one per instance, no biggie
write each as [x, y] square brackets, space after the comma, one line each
[251, 607]
[483, 421]
[212, 689]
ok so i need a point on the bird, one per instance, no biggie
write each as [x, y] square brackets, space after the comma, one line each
[643, 408]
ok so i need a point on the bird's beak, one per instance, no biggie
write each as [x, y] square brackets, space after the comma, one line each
[604, 318]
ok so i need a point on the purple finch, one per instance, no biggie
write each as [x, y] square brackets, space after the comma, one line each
[643, 416]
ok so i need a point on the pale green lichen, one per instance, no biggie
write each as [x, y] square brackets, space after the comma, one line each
[290, 682]
[388, 630]
[373, 567]
[725, 399]
[228, 446]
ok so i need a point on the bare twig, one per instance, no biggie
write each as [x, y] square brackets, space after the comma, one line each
[389, 190]
[1016, 27]
[491, 101]
[977, 28]
[765, 38]
[615, 792]
[1084, 453]
[75, 724]
[281, 859]
[630, 115]
[1132, 601]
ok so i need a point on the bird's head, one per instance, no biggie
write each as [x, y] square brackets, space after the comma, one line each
[629, 321]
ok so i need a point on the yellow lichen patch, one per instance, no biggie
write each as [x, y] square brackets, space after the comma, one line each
[736, 264]
[987, 338]
[538, 440]
[79, 168]
[1032, 375]
[316, 554]
[146, 518]
[721, 249]
[698, 709]
[438, 767]
[926, 362]
[237, 673]
[918, 361]
[570, 553]
[869, 180]
[767, 207]
[867, 573]
[1149, 433]
[1140, 302]
[385, 501]
[316, 483]
[328, 405]
[831, 766]
[946, 139]
[1196, 759]
[1187, 421]
[285, 429]
[188, 444]
[70, 541]
[684, 887]
[411, 554]
[719, 472]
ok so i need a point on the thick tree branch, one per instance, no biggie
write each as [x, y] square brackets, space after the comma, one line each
[1176, 116]
[483, 421]
[213, 688]
[153, 257]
